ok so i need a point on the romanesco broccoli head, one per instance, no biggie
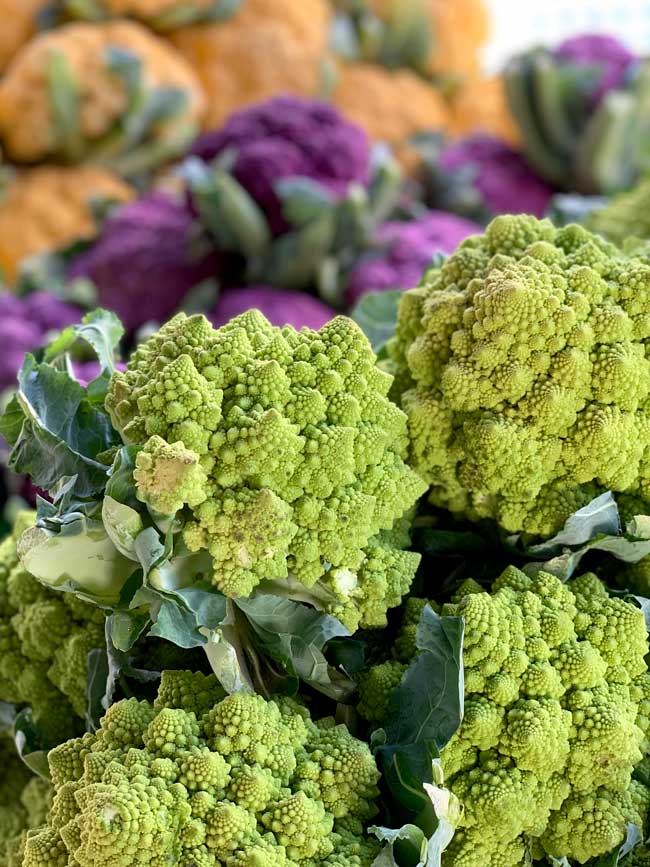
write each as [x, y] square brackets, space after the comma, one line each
[280, 451]
[243, 784]
[556, 719]
[45, 639]
[524, 375]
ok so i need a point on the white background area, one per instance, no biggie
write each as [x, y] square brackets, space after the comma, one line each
[518, 24]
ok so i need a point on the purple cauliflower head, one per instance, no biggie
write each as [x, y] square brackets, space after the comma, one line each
[406, 249]
[25, 324]
[502, 178]
[289, 137]
[146, 259]
[603, 50]
[280, 306]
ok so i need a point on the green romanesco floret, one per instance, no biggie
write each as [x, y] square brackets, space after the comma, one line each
[624, 216]
[157, 785]
[556, 720]
[527, 377]
[281, 453]
[25, 801]
[45, 639]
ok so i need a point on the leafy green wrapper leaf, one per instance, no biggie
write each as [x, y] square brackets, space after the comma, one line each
[596, 527]
[424, 711]
[376, 315]
[100, 328]
[55, 431]
[28, 743]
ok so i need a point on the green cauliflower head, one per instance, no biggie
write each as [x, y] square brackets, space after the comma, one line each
[282, 453]
[522, 367]
[248, 783]
[556, 720]
[45, 639]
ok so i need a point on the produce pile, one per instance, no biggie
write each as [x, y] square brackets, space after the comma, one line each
[325, 423]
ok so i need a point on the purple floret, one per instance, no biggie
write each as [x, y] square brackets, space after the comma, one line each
[289, 137]
[612, 56]
[280, 306]
[408, 250]
[144, 262]
[505, 182]
[25, 324]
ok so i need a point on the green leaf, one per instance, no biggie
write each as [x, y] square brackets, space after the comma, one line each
[424, 711]
[600, 516]
[295, 636]
[376, 315]
[437, 543]
[178, 625]
[101, 329]
[28, 743]
[61, 432]
[303, 199]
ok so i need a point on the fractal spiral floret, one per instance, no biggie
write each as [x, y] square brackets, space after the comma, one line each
[283, 451]
[522, 365]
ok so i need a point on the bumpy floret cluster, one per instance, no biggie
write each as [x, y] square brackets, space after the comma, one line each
[289, 457]
[556, 719]
[24, 802]
[45, 639]
[524, 373]
[246, 782]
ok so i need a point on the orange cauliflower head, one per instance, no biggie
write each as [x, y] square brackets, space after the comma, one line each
[481, 106]
[390, 105]
[77, 93]
[19, 23]
[45, 208]
[269, 47]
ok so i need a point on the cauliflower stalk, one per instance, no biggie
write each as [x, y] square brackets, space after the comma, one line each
[555, 718]
[45, 639]
[280, 455]
[208, 780]
[522, 367]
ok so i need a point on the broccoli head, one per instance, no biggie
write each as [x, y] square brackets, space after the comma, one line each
[523, 371]
[556, 720]
[281, 454]
[45, 639]
[247, 783]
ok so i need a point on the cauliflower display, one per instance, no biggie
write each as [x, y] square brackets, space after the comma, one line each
[154, 241]
[555, 721]
[45, 638]
[286, 453]
[49, 207]
[109, 93]
[522, 366]
[288, 137]
[206, 780]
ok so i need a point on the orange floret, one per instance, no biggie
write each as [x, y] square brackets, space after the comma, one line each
[268, 47]
[47, 207]
[481, 106]
[390, 105]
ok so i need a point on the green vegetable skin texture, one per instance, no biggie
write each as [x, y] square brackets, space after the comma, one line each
[207, 780]
[522, 367]
[24, 802]
[557, 716]
[285, 453]
[45, 638]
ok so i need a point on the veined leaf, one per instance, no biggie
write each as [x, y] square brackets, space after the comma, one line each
[376, 315]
